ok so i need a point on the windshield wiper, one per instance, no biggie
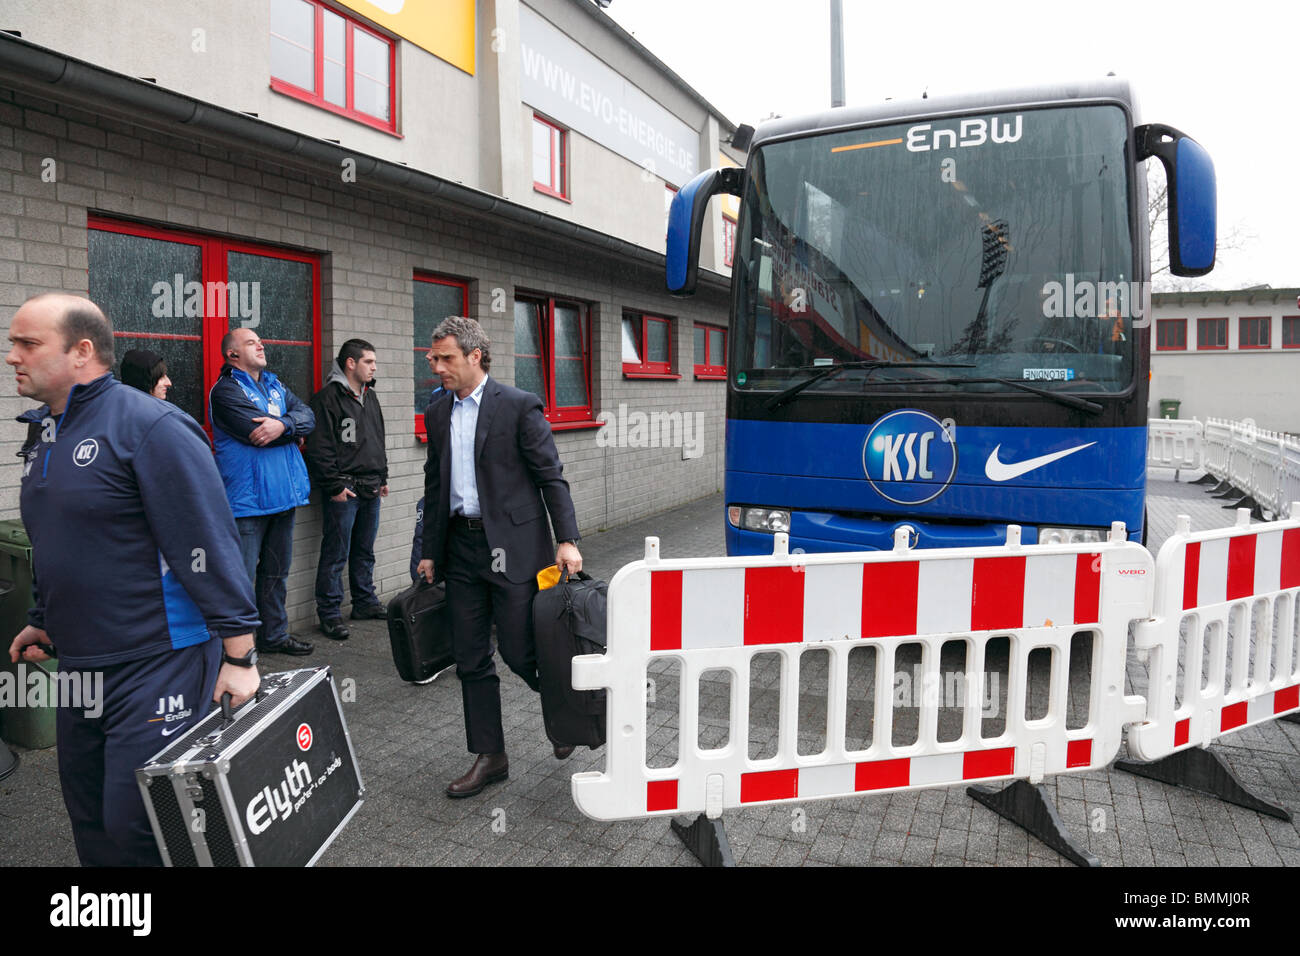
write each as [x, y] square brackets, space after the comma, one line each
[1064, 398]
[820, 372]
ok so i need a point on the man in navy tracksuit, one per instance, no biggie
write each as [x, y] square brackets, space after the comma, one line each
[256, 424]
[136, 567]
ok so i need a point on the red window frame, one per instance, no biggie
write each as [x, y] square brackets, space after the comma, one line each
[1202, 325]
[420, 432]
[705, 370]
[544, 310]
[317, 98]
[1164, 327]
[559, 163]
[728, 240]
[213, 251]
[1249, 327]
[1291, 331]
[645, 369]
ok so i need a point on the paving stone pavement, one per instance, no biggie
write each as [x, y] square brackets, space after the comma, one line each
[410, 741]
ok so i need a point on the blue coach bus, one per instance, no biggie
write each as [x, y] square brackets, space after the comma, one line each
[940, 315]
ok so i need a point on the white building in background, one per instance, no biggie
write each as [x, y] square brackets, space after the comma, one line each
[1233, 354]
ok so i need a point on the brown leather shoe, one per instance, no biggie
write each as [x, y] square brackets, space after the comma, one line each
[488, 768]
[562, 751]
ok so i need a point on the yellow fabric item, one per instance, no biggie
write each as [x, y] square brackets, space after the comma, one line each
[548, 577]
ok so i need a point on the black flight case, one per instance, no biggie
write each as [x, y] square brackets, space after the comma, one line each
[271, 785]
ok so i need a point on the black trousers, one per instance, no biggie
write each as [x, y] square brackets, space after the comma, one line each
[477, 597]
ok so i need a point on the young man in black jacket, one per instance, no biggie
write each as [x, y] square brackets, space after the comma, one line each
[349, 465]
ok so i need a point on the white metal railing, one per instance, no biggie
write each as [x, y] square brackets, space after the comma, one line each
[1174, 443]
[1261, 463]
[1215, 443]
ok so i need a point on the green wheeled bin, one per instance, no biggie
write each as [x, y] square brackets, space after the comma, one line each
[1169, 407]
[27, 690]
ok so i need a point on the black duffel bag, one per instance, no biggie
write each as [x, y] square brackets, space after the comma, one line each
[568, 621]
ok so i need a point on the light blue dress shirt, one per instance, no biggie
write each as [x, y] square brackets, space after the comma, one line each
[464, 423]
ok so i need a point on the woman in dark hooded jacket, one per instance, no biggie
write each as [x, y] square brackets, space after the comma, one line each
[146, 371]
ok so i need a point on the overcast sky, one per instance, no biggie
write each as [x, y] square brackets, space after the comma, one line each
[1227, 74]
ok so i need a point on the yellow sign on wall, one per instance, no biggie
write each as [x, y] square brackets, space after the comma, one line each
[443, 27]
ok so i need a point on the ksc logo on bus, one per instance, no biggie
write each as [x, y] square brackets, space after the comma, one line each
[909, 458]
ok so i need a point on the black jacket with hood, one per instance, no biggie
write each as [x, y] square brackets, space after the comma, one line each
[347, 448]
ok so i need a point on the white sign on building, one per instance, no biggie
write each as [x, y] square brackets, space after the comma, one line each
[562, 80]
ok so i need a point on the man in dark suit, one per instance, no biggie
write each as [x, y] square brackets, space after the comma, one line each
[492, 465]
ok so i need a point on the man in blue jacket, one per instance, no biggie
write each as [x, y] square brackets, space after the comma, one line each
[138, 579]
[256, 424]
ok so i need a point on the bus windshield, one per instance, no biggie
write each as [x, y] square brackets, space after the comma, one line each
[1000, 242]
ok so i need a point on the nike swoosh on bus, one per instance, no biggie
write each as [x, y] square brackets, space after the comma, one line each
[997, 470]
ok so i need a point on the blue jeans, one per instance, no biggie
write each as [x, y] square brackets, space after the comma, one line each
[347, 537]
[266, 545]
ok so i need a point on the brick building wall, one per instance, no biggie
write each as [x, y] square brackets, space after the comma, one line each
[58, 163]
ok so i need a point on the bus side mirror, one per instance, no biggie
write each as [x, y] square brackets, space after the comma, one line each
[1189, 172]
[685, 222]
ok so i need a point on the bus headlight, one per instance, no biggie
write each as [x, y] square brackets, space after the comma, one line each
[768, 520]
[1071, 535]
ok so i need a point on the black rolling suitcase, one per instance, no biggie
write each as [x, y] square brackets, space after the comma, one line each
[569, 620]
[419, 630]
[270, 785]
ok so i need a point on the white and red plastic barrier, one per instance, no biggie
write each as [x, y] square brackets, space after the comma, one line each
[1222, 638]
[718, 613]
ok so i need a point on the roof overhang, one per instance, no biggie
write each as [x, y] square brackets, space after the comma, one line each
[1226, 297]
[43, 72]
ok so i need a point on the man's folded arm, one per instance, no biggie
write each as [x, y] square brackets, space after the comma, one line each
[299, 420]
[232, 411]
